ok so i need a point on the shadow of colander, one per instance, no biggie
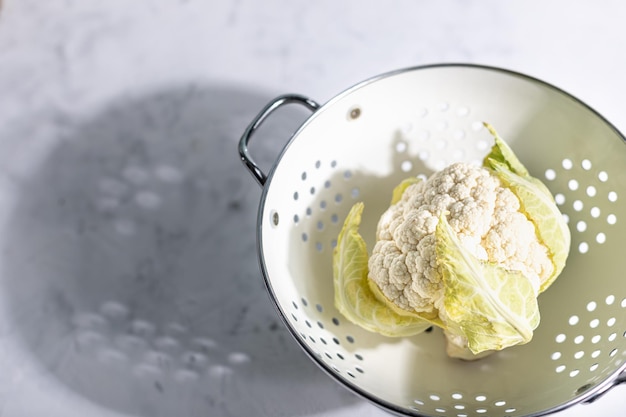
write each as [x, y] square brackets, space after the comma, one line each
[127, 282]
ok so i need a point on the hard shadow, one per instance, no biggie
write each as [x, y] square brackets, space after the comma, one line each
[132, 275]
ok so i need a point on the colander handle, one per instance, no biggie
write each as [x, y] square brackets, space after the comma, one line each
[273, 105]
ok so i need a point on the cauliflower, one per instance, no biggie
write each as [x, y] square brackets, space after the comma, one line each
[469, 250]
[483, 213]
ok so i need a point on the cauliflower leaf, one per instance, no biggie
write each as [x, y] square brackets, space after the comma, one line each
[399, 190]
[354, 297]
[501, 152]
[492, 307]
[536, 202]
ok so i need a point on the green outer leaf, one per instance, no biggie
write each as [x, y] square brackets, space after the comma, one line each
[536, 202]
[353, 296]
[492, 307]
[401, 188]
[501, 152]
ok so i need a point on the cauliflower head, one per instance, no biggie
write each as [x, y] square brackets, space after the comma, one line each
[484, 214]
[469, 250]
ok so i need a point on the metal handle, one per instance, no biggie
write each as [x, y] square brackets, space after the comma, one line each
[621, 378]
[256, 123]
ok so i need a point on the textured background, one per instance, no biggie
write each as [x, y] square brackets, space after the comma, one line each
[129, 280]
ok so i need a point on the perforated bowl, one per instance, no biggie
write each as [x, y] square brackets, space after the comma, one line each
[359, 145]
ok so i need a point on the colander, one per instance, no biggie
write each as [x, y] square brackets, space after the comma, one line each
[415, 121]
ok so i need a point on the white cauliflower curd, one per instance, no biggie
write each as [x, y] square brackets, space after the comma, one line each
[468, 250]
[483, 213]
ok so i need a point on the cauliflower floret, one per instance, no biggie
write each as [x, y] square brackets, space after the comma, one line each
[483, 213]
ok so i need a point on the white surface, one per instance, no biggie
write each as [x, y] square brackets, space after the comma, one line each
[118, 130]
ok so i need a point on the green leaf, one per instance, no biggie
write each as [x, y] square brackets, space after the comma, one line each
[501, 152]
[536, 201]
[354, 298]
[492, 307]
[401, 188]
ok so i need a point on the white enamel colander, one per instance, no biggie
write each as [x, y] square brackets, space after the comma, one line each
[363, 142]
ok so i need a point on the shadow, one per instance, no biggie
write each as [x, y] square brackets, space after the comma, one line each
[132, 275]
